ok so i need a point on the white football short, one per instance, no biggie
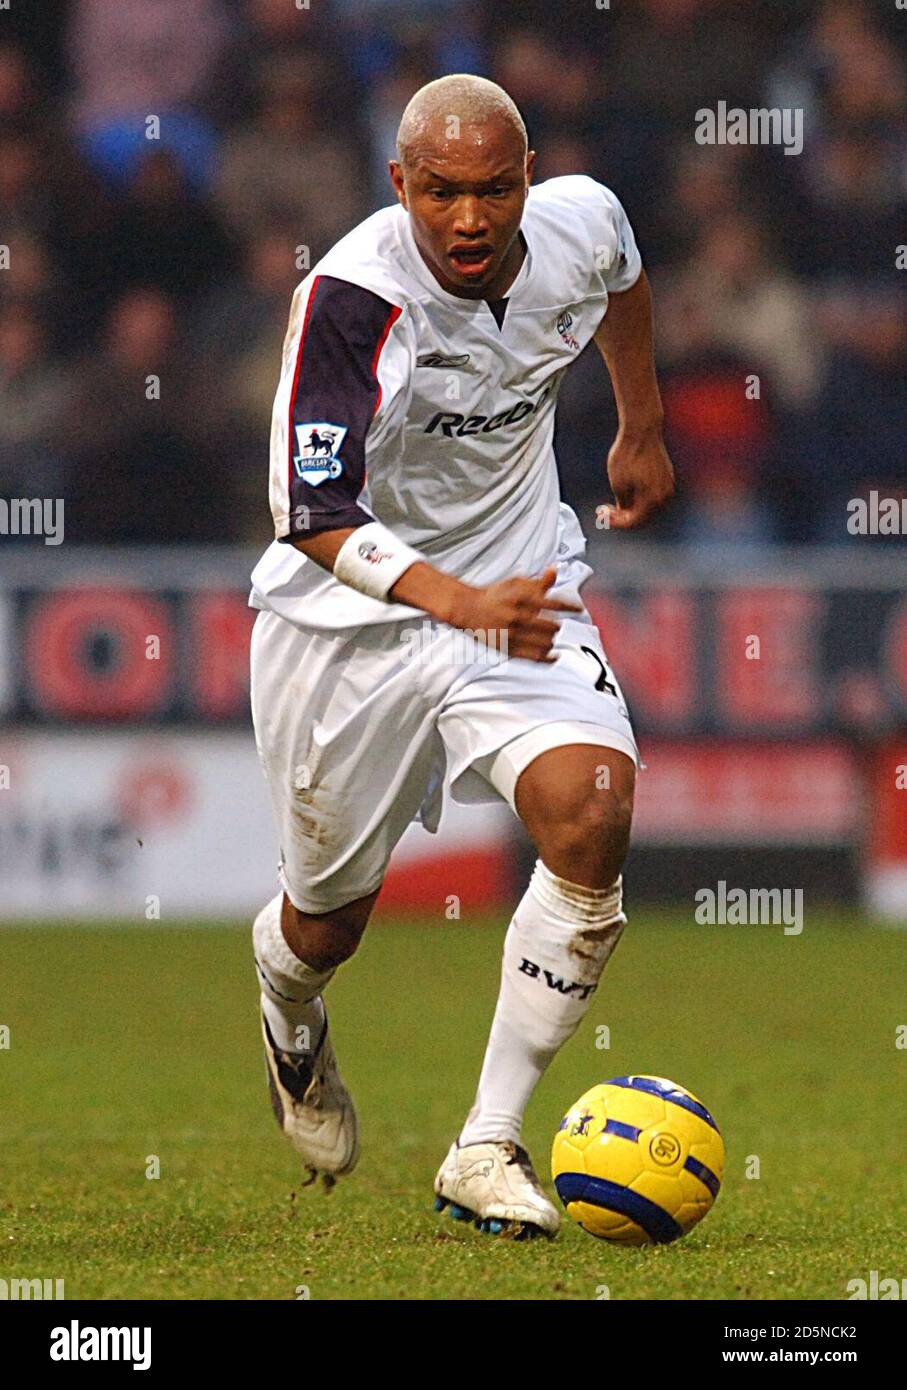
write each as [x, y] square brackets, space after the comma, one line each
[360, 732]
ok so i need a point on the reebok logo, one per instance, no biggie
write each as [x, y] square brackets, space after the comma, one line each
[75, 1343]
[535, 972]
[437, 359]
[449, 423]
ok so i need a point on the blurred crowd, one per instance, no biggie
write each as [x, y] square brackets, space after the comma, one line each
[162, 162]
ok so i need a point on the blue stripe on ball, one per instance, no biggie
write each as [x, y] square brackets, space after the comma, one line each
[658, 1088]
[704, 1174]
[597, 1192]
[622, 1131]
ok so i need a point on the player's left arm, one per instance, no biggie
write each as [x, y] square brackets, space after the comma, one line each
[639, 469]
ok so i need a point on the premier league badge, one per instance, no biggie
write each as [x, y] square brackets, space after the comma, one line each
[318, 443]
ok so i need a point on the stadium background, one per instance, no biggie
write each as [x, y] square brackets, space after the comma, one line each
[142, 313]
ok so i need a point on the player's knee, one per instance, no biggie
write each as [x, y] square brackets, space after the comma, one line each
[329, 953]
[588, 835]
[323, 941]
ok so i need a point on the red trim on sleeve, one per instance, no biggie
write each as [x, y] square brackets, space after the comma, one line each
[391, 320]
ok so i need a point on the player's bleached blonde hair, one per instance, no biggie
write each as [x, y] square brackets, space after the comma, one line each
[469, 99]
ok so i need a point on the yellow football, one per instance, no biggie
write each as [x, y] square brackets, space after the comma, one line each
[637, 1160]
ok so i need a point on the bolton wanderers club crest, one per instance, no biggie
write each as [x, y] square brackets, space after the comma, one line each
[318, 443]
[564, 325]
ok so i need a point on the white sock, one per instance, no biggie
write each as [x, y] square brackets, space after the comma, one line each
[555, 951]
[290, 989]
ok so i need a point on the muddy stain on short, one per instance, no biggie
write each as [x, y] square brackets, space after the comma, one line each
[311, 823]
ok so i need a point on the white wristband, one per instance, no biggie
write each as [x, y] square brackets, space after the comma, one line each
[372, 559]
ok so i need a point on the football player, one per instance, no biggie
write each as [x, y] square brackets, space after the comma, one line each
[414, 489]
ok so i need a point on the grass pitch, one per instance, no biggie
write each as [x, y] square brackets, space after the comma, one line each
[133, 1043]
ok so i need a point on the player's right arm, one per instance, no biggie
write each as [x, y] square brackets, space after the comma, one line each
[513, 606]
[345, 366]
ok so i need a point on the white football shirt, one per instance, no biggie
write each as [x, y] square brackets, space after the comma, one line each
[431, 413]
